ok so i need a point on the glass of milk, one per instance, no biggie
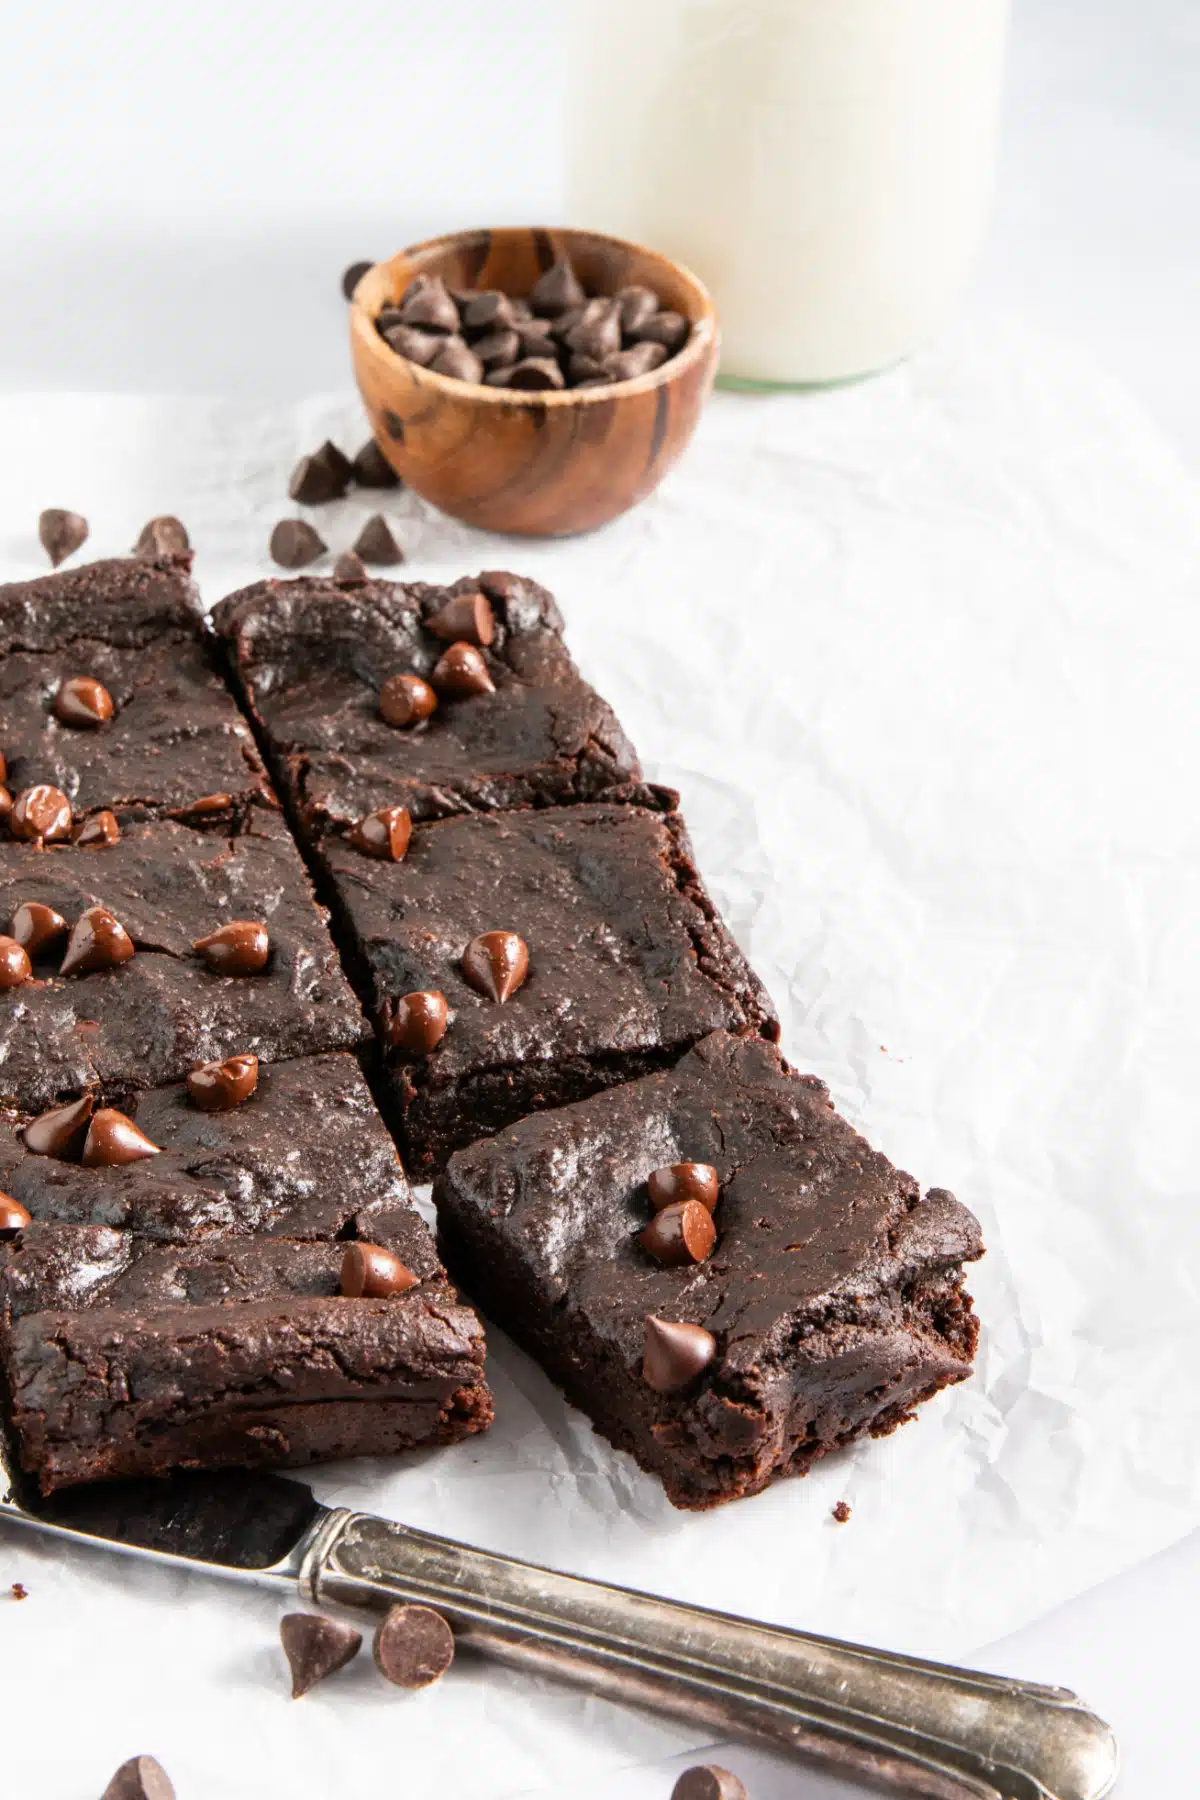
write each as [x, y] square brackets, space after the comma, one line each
[824, 166]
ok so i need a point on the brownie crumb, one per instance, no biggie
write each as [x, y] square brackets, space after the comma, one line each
[841, 1512]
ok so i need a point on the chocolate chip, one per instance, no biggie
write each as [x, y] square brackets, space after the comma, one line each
[41, 815]
[561, 328]
[667, 328]
[641, 359]
[499, 378]
[6, 804]
[60, 1131]
[389, 315]
[239, 948]
[534, 339]
[418, 1022]
[535, 375]
[417, 346]
[316, 1647]
[294, 544]
[369, 1272]
[372, 468]
[426, 301]
[352, 275]
[350, 570]
[461, 672]
[98, 831]
[413, 1646]
[464, 619]
[488, 310]
[673, 1355]
[636, 305]
[37, 928]
[680, 1234]
[841, 1512]
[682, 1181]
[459, 362]
[3, 767]
[375, 543]
[383, 834]
[220, 1086]
[113, 1140]
[406, 700]
[312, 482]
[15, 967]
[163, 536]
[141, 1778]
[341, 469]
[209, 804]
[498, 349]
[98, 940]
[708, 1782]
[496, 964]
[13, 1216]
[593, 381]
[556, 290]
[61, 533]
[598, 333]
[585, 368]
[83, 702]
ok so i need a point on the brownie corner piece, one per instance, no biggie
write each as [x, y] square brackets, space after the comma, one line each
[831, 1305]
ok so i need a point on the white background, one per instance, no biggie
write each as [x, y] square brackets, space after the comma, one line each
[183, 186]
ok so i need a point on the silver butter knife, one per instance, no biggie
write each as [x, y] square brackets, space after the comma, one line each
[907, 1726]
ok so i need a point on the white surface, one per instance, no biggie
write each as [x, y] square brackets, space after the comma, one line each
[180, 194]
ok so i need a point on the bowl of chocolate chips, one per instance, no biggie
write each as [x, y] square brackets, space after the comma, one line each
[531, 380]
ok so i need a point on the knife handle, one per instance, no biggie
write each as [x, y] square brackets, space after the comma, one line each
[914, 1727]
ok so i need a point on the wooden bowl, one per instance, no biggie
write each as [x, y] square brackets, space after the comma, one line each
[542, 464]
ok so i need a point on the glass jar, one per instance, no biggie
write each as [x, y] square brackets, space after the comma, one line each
[824, 166]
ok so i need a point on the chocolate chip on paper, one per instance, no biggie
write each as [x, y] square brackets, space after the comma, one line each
[375, 543]
[294, 544]
[61, 533]
[352, 275]
[141, 1778]
[372, 468]
[707, 1781]
[414, 1646]
[316, 1647]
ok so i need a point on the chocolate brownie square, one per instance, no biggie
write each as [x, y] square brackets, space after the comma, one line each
[311, 657]
[831, 1304]
[150, 1019]
[629, 963]
[175, 736]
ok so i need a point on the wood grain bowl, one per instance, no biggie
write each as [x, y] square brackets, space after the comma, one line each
[539, 464]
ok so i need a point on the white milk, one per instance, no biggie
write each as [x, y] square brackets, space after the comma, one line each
[824, 166]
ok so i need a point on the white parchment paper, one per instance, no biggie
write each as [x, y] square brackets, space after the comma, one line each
[923, 657]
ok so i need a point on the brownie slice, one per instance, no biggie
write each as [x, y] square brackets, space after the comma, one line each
[176, 736]
[310, 658]
[124, 1357]
[629, 963]
[833, 1295]
[154, 1017]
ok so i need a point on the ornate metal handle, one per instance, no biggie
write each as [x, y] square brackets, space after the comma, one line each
[916, 1727]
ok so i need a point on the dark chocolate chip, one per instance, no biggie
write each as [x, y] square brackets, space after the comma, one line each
[561, 328]
[673, 1355]
[163, 536]
[375, 543]
[312, 482]
[60, 1131]
[406, 700]
[98, 940]
[535, 375]
[466, 619]
[501, 584]
[683, 1181]
[597, 335]
[667, 328]
[141, 1778]
[37, 928]
[372, 468]
[416, 346]
[496, 964]
[15, 967]
[457, 361]
[592, 381]
[841, 1512]
[383, 834]
[418, 1022]
[488, 310]
[209, 804]
[316, 1647]
[83, 702]
[341, 469]
[294, 544]
[426, 301]
[413, 1646]
[350, 570]
[239, 948]
[499, 378]
[556, 290]
[680, 1234]
[13, 1216]
[369, 1272]
[535, 339]
[352, 275]
[41, 815]
[461, 672]
[61, 533]
[636, 305]
[113, 1140]
[640, 359]
[6, 805]
[220, 1086]
[98, 831]
[498, 349]
[3, 766]
[585, 368]
[708, 1782]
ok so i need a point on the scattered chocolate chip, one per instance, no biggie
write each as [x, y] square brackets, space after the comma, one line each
[841, 1512]
[294, 544]
[415, 345]
[239, 948]
[464, 619]
[163, 536]
[207, 805]
[41, 815]
[6, 804]
[350, 570]
[679, 1235]
[98, 830]
[413, 1646]
[496, 964]
[684, 1181]
[19, 1591]
[556, 290]
[426, 301]
[498, 349]
[535, 375]
[458, 361]
[83, 702]
[641, 359]
[487, 309]
[312, 482]
[418, 1022]
[667, 328]
[461, 672]
[372, 468]
[375, 543]
[98, 940]
[316, 1647]
[37, 928]
[141, 1778]
[352, 275]
[220, 1086]
[60, 1131]
[61, 533]
[15, 967]
[369, 1272]
[406, 700]
[383, 834]
[341, 469]
[636, 305]
[113, 1139]
[673, 1355]
[13, 1216]
[708, 1782]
